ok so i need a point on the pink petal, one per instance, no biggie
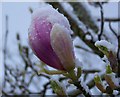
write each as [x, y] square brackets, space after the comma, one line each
[39, 39]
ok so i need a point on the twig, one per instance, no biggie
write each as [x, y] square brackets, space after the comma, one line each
[45, 89]
[30, 10]
[118, 47]
[118, 56]
[77, 46]
[110, 19]
[102, 21]
[90, 71]
[82, 90]
[112, 29]
[5, 39]
[74, 93]
[5, 45]
[28, 62]
[31, 79]
[84, 16]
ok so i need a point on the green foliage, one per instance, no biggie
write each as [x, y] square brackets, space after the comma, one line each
[108, 69]
[97, 79]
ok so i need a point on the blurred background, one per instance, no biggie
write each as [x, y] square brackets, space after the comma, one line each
[19, 66]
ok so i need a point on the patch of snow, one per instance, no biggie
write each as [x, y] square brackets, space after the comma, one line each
[95, 91]
[79, 42]
[88, 37]
[78, 63]
[115, 92]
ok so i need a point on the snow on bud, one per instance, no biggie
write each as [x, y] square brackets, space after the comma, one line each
[54, 50]
[105, 47]
[110, 51]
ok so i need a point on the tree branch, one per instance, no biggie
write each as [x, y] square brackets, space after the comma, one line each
[112, 29]
[102, 21]
[110, 20]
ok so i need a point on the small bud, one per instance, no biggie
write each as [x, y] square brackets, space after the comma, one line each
[99, 84]
[58, 88]
[97, 79]
[105, 47]
[108, 69]
[110, 78]
[110, 51]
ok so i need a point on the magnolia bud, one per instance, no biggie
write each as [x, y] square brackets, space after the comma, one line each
[49, 38]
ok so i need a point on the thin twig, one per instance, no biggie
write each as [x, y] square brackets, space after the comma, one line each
[5, 45]
[118, 56]
[110, 26]
[5, 39]
[77, 46]
[102, 21]
[90, 71]
[45, 89]
[110, 19]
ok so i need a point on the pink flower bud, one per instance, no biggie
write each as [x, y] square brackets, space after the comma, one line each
[49, 38]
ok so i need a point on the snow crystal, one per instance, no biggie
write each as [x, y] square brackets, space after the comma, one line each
[106, 44]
